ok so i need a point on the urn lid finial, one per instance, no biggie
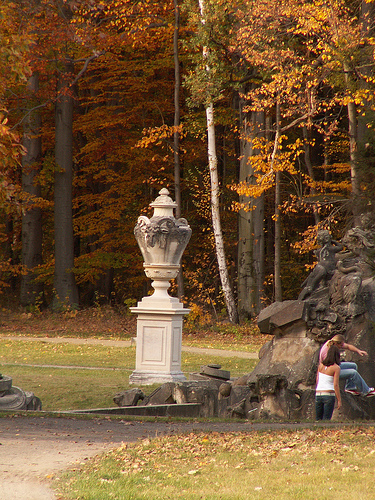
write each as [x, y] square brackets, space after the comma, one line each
[163, 205]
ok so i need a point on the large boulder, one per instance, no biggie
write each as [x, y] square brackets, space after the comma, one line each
[339, 299]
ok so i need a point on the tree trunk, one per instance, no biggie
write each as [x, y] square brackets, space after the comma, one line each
[278, 289]
[31, 291]
[215, 206]
[250, 282]
[66, 291]
[366, 61]
[215, 211]
[352, 129]
[176, 134]
[277, 268]
[309, 167]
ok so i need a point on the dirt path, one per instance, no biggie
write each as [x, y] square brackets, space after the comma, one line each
[127, 343]
[33, 449]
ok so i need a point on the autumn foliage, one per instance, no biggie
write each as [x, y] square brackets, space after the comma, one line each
[308, 66]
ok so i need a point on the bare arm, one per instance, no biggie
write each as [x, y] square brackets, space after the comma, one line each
[336, 386]
[353, 348]
[317, 376]
[338, 246]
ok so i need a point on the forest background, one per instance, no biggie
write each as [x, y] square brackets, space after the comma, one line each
[257, 116]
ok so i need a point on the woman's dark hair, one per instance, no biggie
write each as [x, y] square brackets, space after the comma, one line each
[333, 356]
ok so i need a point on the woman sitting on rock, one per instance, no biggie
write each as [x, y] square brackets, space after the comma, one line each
[327, 385]
[354, 383]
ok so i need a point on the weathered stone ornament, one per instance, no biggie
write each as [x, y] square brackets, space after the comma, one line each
[162, 240]
[14, 399]
[338, 297]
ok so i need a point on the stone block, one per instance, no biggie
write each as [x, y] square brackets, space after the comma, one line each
[203, 392]
[201, 377]
[280, 314]
[128, 398]
[161, 395]
[215, 372]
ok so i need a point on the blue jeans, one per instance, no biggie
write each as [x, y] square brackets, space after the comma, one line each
[324, 405]
[348, 372]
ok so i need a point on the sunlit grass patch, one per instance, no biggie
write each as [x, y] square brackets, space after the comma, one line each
[77, 377]
[39, 352]
[303, 464]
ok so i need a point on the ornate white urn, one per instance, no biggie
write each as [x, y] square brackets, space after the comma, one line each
[162, 240]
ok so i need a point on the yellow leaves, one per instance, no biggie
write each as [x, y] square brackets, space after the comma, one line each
[264, 168]
[158, 135]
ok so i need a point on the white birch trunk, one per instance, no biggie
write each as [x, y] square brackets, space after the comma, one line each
[215, 209]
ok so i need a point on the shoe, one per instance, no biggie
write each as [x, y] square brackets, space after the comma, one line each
[370, 393]
[354, 392]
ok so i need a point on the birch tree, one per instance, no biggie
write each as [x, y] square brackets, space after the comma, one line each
[215, 195]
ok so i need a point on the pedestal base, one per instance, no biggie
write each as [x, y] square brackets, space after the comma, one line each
[159, 342]
[139, 377]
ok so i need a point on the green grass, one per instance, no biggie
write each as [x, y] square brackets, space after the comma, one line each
[35, 352]
[317, 464]
[55, 373]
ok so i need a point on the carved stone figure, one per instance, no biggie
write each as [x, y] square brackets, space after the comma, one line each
[14, 398]
[326, 265]
[338, 297]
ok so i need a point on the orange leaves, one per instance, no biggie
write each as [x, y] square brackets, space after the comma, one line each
[264, 170]
[159, 135]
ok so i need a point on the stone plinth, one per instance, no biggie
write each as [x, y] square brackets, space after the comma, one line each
[159, 341]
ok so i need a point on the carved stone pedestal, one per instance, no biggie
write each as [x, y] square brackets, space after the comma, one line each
[159, 340]
[162, 240]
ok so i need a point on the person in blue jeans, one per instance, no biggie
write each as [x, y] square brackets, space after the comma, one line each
[354, 384]
[327, 385]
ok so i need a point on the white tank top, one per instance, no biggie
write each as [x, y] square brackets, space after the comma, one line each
[325, 382]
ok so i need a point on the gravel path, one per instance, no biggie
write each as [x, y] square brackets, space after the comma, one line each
[33, 449]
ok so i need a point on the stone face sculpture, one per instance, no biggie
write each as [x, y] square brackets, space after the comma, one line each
[337, 297]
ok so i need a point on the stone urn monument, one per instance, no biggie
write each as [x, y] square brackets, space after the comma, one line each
[162, 240]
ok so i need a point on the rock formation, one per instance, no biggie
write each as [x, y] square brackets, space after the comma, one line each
[335, 299]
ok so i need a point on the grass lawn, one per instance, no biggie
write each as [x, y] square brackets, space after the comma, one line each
[309, 464]
[76, 377]
[73, 377]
